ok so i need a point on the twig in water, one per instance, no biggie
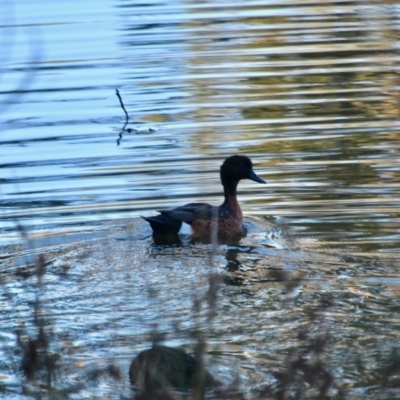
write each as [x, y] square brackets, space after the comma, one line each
[126, 115]
[129, 130]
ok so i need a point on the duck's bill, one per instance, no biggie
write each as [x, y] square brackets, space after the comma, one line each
[254, 177]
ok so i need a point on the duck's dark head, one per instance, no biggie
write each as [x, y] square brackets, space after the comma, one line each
[237, 167]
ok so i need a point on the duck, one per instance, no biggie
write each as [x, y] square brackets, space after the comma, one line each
[168, 367]
[202, 217]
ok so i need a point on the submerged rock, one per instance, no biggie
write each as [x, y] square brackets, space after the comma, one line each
[163, 367]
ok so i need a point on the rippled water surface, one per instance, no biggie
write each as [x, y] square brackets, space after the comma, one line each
[309, 90]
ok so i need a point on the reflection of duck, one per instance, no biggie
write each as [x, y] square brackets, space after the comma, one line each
[201, 216]
[163, 367]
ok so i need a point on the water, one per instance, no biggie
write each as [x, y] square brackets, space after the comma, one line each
[309, 91]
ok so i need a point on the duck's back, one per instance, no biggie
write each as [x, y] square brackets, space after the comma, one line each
[191, 212]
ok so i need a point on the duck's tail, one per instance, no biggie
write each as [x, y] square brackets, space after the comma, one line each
[163, 225]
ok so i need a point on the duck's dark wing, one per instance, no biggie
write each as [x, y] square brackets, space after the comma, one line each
[190, 212]
[170, 221]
